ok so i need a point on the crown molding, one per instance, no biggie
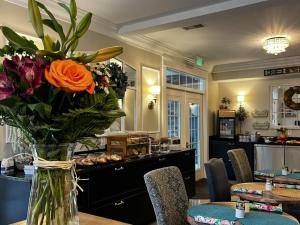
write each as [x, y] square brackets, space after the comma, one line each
[105, 27]
[258, 64]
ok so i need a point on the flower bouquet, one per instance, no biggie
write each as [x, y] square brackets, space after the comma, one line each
[54, 97]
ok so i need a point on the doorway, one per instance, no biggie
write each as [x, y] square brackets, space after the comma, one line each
[185, 122]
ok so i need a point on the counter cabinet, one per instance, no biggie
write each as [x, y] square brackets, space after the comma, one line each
[116, 191]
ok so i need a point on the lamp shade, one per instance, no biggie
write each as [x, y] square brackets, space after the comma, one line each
[240, 98]
[155, 89]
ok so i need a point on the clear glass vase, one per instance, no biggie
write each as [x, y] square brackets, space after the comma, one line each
[53, 191]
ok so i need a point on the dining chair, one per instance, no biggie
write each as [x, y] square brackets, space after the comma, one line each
[168, 195]
[217, 180]
[240, 165]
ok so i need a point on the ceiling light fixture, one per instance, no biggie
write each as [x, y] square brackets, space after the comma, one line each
[276, 45]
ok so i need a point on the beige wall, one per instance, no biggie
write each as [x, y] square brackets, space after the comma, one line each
[257, 96]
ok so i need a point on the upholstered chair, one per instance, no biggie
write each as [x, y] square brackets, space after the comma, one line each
[240, 165]
[168, 195]
[217, 180]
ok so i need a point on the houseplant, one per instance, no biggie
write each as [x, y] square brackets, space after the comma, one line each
[241, 115]
[55, 99]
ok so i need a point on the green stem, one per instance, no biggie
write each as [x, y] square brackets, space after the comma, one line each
[51, 185]
[36, 209]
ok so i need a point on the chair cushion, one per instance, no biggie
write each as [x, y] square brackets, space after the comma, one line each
[240, 165]
[217, 180]
[168, 195]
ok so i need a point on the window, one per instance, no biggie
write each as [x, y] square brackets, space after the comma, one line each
[281, 115]
[185, 80]
[173, 118]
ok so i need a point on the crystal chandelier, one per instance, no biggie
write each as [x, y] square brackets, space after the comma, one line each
[276, 45]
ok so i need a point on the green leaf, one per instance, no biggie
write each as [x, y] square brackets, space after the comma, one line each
[35, 18]
[48, 42]
[17, 40]
[42, 110]
[83, 25]
[74, 45]
[54, 55]
[73, 8]
[53, 24]
[73, 19]
[85, 58]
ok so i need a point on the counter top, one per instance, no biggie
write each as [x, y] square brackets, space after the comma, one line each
[20, 176]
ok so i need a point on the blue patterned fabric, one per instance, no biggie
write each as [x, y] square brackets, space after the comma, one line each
[168, 195]
[251, 218]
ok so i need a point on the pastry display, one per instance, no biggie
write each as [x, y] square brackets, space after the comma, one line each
[97, 159]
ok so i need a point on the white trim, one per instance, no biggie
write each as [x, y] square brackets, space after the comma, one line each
[177, 17]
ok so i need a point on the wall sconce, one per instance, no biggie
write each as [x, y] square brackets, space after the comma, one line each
[240, 99]
[155, 90]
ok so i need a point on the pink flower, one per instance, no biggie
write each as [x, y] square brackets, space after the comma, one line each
[29, 70]
[6, 86]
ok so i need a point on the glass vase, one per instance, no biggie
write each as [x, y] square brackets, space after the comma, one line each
[53, 190]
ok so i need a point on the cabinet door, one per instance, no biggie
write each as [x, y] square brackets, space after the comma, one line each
[292, 157]
[113, 181]
[269, 157]
[136, 209]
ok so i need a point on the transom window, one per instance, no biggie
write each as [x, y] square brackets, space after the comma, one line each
[185, 80]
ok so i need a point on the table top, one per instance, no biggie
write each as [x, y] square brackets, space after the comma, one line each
[277, 177]
[191, 221]
[277, 196]
[87, 219]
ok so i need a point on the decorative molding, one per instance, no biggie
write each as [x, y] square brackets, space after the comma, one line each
[258, 64]
[105, 27]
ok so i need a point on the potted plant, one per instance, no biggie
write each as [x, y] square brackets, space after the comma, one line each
[241, 115]
[225, 102]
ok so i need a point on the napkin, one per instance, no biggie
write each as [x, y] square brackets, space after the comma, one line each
[289, 186]
[247, 191]
[264, 207]
[213, 221]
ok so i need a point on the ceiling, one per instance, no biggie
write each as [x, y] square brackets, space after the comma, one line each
[233, 29]
[124, 11]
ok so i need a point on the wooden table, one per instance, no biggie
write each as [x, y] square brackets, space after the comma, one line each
[191, 221]
[277, 196]
[280, 179]
[87, 219]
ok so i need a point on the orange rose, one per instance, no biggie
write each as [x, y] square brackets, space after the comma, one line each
[70, 76]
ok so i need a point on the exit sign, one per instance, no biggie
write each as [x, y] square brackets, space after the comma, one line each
[199, 61]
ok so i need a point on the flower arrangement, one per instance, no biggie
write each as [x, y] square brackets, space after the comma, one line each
[51, 95]
[55, 98]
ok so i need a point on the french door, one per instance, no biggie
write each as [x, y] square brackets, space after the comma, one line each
[185, 122]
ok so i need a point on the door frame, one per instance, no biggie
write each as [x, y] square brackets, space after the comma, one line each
[185, 98]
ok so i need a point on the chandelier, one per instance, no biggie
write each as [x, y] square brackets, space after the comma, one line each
[276, 45]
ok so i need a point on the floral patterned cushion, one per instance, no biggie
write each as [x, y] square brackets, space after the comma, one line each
[168, 195]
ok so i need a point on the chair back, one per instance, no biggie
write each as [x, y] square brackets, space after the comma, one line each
[240, 165]
[217, 180]
[168, 195]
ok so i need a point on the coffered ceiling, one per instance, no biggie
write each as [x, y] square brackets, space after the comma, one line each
[233, 29]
